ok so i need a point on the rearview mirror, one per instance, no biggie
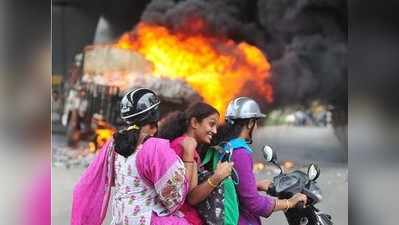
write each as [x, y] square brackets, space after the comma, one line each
[269, 154]
[313, 172]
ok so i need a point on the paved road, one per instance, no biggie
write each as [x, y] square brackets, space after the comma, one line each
[301, 145]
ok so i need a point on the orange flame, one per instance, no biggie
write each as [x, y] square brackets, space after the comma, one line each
[103, 132]
[102, 136]
[216, 68]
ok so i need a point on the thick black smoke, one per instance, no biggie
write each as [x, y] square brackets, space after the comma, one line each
[308, 49]
[223, 18]
[305, 40]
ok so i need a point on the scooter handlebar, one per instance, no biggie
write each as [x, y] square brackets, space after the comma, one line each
[300, 205]
[271, 190]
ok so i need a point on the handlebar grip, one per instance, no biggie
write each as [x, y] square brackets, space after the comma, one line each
[300, 205]
[271, 190]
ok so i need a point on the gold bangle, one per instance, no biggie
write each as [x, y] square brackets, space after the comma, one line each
[211, 184]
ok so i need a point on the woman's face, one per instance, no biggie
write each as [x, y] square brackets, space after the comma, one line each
[246, 130]
[204, 130]
[255, 124]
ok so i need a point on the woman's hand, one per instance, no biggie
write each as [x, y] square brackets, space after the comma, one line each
[263, 185]
[202, 191]
[222, 171]
[298, 197]
[189, 145]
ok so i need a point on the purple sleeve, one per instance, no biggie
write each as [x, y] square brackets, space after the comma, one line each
[248, 194]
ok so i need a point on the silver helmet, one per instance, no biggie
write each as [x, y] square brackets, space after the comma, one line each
[243, 108]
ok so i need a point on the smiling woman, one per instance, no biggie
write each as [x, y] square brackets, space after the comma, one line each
[186, 130]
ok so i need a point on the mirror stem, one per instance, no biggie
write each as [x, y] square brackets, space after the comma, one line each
[278, 165]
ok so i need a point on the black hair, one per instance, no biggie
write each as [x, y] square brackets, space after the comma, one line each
[176, 123]
[126, 140]
[230, 130]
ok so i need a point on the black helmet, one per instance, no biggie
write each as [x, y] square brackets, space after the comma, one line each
[140, 106]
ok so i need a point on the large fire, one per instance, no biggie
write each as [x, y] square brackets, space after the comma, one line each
[217, 68]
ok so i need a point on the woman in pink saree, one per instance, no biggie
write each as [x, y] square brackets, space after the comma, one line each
[148, 177]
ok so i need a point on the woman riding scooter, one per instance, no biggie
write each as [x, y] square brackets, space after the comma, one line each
[242, 115]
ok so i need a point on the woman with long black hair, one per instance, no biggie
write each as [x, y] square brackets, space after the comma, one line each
[187, 131]
[148, 177]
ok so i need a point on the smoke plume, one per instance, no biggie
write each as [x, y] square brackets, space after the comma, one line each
[305, 40]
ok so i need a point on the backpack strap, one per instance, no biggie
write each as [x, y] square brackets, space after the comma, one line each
[212, 156]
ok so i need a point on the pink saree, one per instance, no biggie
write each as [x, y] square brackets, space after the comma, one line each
[157, 165]
[91, 194]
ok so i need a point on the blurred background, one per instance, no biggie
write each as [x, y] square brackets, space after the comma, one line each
[302, 47]
[25, 103]
[373, 122]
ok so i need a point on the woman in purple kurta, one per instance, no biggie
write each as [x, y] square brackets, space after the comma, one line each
[252, 205]
[241, 117]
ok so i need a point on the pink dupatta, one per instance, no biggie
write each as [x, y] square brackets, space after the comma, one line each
[91, 194]
[160, 167]
[157, 164]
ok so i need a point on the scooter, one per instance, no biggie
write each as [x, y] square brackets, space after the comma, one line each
[285, 185]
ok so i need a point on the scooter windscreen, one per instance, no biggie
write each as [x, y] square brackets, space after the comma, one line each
[313, 192]
[292, 182]
[283, 183]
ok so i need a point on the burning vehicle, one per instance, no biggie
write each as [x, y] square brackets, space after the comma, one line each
[181, 66]
[107, 72]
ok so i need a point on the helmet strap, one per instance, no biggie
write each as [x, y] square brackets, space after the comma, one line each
[251, 129]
